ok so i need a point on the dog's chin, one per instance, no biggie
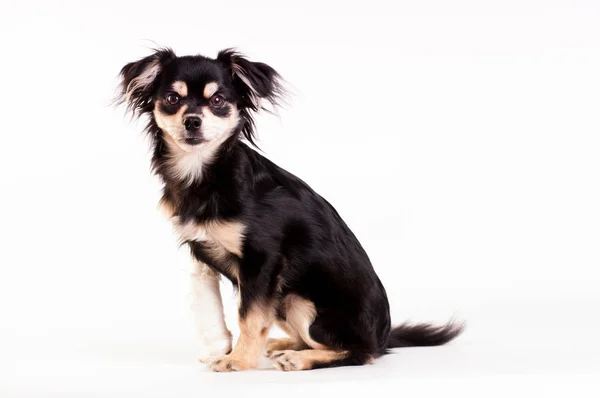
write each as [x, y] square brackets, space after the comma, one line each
[194, 141]
[191, 144]
[185, 144]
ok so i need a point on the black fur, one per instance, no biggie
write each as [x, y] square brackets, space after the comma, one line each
[295, 241]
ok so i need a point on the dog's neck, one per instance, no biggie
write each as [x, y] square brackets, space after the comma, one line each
[201, 200]
[178, 166]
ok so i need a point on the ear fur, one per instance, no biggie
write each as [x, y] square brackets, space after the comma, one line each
[254, 82]
[138, 80]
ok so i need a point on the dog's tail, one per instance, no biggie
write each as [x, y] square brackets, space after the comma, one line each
[422, 334]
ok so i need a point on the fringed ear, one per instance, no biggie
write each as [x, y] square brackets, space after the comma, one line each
[254, 81]
[138, 81]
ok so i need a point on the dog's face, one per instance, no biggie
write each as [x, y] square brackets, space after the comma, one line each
[198, 101]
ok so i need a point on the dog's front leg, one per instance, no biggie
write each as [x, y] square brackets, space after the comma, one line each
[255, 321]
[207, 308]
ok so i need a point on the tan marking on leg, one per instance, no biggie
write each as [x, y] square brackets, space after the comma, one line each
[210, 89]
[300, 314]
[306, 359]
[254, 328]
[283, 344]
[294, 342]
[283, 325]
[180, 88]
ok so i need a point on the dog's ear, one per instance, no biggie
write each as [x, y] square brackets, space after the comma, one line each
[139, 80]
[254, 81]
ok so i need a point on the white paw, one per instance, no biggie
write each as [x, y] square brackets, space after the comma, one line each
[212, 349]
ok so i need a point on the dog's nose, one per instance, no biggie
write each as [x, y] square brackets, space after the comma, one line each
[192, 124]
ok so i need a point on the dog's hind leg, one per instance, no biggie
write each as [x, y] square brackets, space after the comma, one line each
[293, 342]
[289, 360]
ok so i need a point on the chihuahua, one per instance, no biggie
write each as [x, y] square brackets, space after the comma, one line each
[293, 260]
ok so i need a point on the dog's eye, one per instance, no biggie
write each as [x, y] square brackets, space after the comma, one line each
[172, 99]
[217, 101]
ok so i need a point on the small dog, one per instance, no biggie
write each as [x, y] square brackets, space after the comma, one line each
[293, 259]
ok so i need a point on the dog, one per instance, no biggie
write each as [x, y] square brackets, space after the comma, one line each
[293, 260]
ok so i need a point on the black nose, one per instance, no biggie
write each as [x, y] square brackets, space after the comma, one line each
[192, 124]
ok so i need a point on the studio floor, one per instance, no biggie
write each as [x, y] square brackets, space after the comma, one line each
[516, 350]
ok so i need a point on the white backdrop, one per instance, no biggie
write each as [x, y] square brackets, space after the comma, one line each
[459, 140]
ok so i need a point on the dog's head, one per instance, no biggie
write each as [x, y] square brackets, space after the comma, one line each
[199, 101]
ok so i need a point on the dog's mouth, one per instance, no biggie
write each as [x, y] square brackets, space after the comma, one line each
[194, 140]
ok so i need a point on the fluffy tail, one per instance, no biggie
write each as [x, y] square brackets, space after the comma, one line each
[407, 335]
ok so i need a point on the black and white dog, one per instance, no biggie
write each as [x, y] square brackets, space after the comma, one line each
[286, 249]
